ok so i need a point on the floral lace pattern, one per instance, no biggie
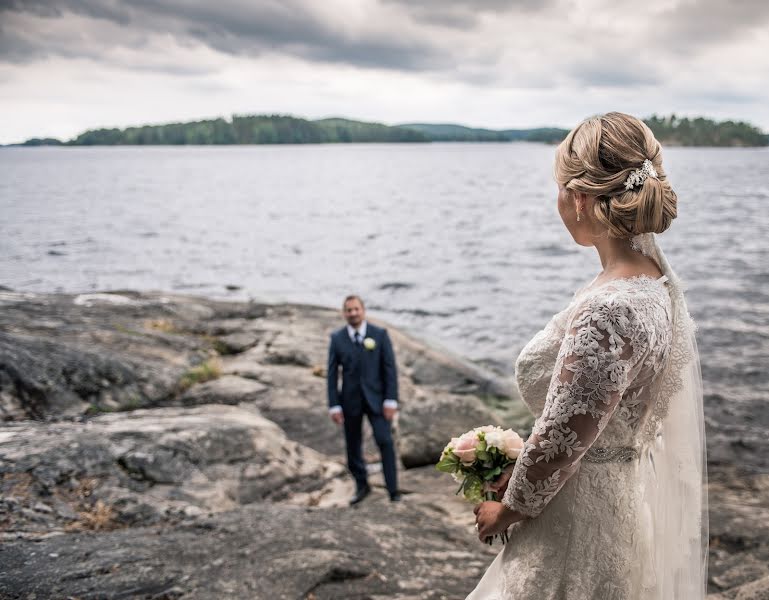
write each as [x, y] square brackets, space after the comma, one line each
[615, 342]
[603, 377]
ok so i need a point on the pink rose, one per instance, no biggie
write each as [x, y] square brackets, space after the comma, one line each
[465, 447]
[512, 444]
[449, 447]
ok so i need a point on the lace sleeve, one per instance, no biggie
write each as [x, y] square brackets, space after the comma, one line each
[600, 355]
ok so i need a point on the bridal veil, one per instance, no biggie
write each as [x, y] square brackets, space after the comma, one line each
[673, 463]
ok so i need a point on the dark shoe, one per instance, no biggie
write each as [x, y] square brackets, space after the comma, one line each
[360, 494]
[396, 497]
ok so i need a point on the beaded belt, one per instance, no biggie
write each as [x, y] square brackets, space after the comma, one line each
[606, 455]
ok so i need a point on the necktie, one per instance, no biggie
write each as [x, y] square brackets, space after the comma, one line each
[357, 338]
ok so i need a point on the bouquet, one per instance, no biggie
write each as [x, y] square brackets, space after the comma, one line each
[477, 458]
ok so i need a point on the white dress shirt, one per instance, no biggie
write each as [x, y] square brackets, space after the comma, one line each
[388, 403]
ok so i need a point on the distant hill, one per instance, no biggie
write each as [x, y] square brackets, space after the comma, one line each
[458, 133]
[285, 129]
[446, 132]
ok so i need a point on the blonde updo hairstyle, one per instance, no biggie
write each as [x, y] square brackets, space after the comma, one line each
[598, 156]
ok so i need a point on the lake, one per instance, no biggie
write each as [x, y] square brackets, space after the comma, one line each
[459, 244]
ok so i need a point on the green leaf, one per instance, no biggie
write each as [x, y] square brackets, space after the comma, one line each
[447, 466]
[449, 463]
[473, 489]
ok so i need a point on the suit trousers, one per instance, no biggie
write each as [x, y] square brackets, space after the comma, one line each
[353, 433]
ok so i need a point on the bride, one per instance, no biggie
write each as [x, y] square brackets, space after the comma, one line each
[606, 500]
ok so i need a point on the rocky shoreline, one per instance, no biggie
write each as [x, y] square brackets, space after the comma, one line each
[165, 446]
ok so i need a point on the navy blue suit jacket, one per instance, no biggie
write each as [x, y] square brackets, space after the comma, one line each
[368, 376]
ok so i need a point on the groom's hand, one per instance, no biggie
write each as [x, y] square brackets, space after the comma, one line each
[493, 518]
[389, 412]
[337, 417]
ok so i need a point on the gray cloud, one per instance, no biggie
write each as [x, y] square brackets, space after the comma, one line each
[109, 9]
[309, 31]
[708, 95]
[17, 49]
[627, 73]
[690, 26]
[465, 15]
[535, 55]
[237, 28]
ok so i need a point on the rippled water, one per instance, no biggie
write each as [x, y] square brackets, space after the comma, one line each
[458, 243]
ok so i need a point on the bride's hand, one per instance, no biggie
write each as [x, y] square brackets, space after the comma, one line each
[499, 485]
[492, 518]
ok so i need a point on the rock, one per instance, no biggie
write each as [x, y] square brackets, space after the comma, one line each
[212, 457]
[43, 508]
[732, 576]
[295, 341]
[757, 590]
[265, 550]
[39, 377]
[245, 366]
[211, 500]
[235, 343]
[170, 594]
[89, 300]
[191, 310]
[288, 357]
[64, 510]
[158, 466]
[739, 528]
[427, 424]
[229, 389]
[63, 356]
[427, 366]
[222, 326]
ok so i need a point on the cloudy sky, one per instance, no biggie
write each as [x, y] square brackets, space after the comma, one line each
[70, 65]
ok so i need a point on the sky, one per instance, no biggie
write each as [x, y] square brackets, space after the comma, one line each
[70, 65]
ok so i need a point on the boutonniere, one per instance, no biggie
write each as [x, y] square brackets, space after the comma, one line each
[369, 343]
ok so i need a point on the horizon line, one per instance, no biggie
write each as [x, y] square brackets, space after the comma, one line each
[399, 124]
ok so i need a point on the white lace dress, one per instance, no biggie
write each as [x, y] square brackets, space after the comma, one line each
[587, 377]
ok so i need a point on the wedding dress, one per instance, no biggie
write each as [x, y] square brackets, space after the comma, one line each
[611, 479]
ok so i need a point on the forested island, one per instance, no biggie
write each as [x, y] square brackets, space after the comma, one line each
[285, 129]
[675, 131]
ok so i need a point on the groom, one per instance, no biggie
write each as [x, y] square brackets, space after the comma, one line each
[370, 387]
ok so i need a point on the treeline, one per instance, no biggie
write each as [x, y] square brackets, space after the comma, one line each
[282, 129]
[705, 132]
[458, 133]
[258, 129]
[42, 142]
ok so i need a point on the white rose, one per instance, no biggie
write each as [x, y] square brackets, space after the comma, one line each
[369, 343]
[512, 444]
[485, 429]
[495, 439]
